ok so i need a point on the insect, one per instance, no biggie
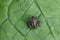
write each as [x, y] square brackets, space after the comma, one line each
[33, 22]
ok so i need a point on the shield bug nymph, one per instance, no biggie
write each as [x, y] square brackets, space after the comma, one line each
[33, 22]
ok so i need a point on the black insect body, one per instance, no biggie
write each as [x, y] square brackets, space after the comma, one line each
[33, 22]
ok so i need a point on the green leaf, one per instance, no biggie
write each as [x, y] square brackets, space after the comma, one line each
[14, 15]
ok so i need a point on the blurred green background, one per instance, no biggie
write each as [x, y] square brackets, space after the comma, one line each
[14, 14]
